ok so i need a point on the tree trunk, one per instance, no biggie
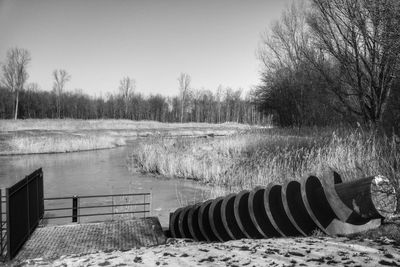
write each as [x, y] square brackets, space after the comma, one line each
[16, 105]
[58, 102]
[182, 109]
[126, 109]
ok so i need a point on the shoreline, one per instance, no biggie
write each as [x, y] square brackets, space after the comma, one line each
[67, 136]
[66, 152]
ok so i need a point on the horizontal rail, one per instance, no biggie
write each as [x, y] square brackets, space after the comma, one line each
[117, 195]
[57, 217]
[52, 209]
[94, 196]
[114, 213]
[100, 206]
[96, 214]
[118, 205]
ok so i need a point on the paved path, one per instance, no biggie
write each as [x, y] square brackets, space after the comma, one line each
[55, 241]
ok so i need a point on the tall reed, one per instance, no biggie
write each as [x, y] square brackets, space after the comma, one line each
[260, 157]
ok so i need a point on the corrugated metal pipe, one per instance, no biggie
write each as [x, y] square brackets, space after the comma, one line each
[296, 208]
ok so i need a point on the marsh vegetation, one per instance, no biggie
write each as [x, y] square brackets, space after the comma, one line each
[246, 160]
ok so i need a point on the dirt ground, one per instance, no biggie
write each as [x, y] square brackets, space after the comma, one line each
[308, 251]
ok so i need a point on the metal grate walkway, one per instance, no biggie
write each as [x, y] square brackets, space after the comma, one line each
[55, 241]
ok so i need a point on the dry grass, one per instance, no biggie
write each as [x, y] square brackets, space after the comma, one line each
[58, 143]
[72, 124]
[65, 135]
[258, 158]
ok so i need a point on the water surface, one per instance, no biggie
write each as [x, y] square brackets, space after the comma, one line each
[100, 172]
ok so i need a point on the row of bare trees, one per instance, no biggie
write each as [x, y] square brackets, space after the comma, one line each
[200, 106]
[332, 59]
[21, 100]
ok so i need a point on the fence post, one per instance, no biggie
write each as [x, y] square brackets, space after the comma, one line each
[74, 208]
[27, 203]
[41, 194]
[1, 223]
[8, 255]
[112, 208]
[151, 201]
[144, 205]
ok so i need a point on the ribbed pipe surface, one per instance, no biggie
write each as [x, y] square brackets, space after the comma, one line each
[293, 209]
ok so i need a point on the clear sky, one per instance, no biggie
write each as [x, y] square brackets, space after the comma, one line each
[100, 41]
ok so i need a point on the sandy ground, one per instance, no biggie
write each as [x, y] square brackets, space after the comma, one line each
[310, 251]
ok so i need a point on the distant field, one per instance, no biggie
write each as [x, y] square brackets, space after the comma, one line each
[59, 135]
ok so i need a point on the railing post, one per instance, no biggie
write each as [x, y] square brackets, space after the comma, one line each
[112, 208]
[144, 205]
[8, 255]
[151, 201]
[1, 223]
[75, 208]
[27, 203]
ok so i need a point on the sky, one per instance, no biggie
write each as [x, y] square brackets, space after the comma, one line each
[98, 42]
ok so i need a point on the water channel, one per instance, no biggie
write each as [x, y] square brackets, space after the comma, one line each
[101, 172]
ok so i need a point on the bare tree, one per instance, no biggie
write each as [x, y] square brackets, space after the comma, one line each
[282, 53]
[14, 72]
[363, 39]
[184, 87]
[61, 77]
[219, 94]
[283, 45]
[126, 89]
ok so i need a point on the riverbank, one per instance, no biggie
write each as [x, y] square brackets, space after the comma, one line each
[56, 136]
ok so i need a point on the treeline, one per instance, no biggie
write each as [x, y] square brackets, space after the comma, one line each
[328, 62]
[19, 100]
[227, 105]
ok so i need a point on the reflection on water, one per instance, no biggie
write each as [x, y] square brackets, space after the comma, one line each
[100, 172]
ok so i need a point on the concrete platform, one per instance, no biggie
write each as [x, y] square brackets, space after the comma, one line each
[55, 241]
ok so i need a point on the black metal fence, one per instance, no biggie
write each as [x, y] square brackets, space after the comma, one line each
[77, 207]
[24, 208]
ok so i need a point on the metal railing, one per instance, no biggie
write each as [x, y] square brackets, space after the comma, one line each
[77, 206]
[22, 209]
